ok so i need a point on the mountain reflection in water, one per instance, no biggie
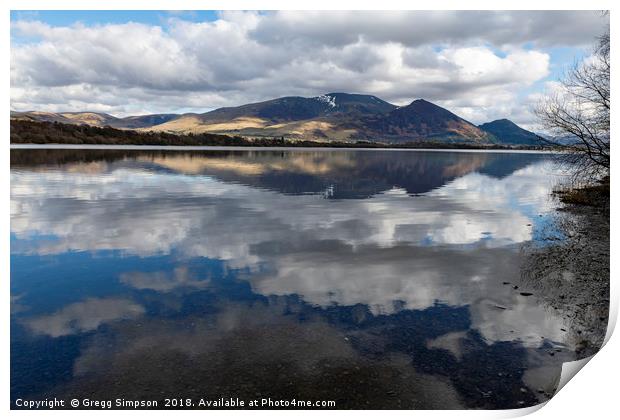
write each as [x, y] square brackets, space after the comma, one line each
[378, 279]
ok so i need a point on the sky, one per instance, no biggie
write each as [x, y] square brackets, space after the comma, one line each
[481, 65]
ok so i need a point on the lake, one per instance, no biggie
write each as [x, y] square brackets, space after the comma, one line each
[371, 278]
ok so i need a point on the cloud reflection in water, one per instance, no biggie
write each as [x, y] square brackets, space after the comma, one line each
[398, 233]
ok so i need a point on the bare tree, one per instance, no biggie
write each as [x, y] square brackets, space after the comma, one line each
[577, 114]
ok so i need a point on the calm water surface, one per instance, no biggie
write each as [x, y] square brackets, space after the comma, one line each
[380, 279]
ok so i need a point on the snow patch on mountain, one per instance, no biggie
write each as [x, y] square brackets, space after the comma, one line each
[329, 100]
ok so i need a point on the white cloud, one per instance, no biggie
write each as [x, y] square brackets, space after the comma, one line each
[473, 62]
[84, 316]
[162, 281]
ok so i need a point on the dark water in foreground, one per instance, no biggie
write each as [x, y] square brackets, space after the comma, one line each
[379, 279]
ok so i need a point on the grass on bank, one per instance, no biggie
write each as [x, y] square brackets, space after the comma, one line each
[594, 195]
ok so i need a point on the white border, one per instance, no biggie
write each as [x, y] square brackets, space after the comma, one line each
[592, 394]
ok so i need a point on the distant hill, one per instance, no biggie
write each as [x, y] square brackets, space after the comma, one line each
[95, 119]
[333, 117]
[509, 133]
[296, 108]
[142, 121]
[424, 120]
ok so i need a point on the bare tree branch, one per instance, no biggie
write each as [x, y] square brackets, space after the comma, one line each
[578, 114]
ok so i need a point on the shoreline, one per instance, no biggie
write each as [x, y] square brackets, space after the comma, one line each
[68, 146]
[572, 272]
[31, 134]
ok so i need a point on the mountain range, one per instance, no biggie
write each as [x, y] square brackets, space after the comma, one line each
[329, 117]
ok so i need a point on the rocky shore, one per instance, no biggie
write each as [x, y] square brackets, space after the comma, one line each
[570, 267]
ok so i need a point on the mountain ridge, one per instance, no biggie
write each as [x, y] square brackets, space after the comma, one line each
[336, 116]
[507, 132]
